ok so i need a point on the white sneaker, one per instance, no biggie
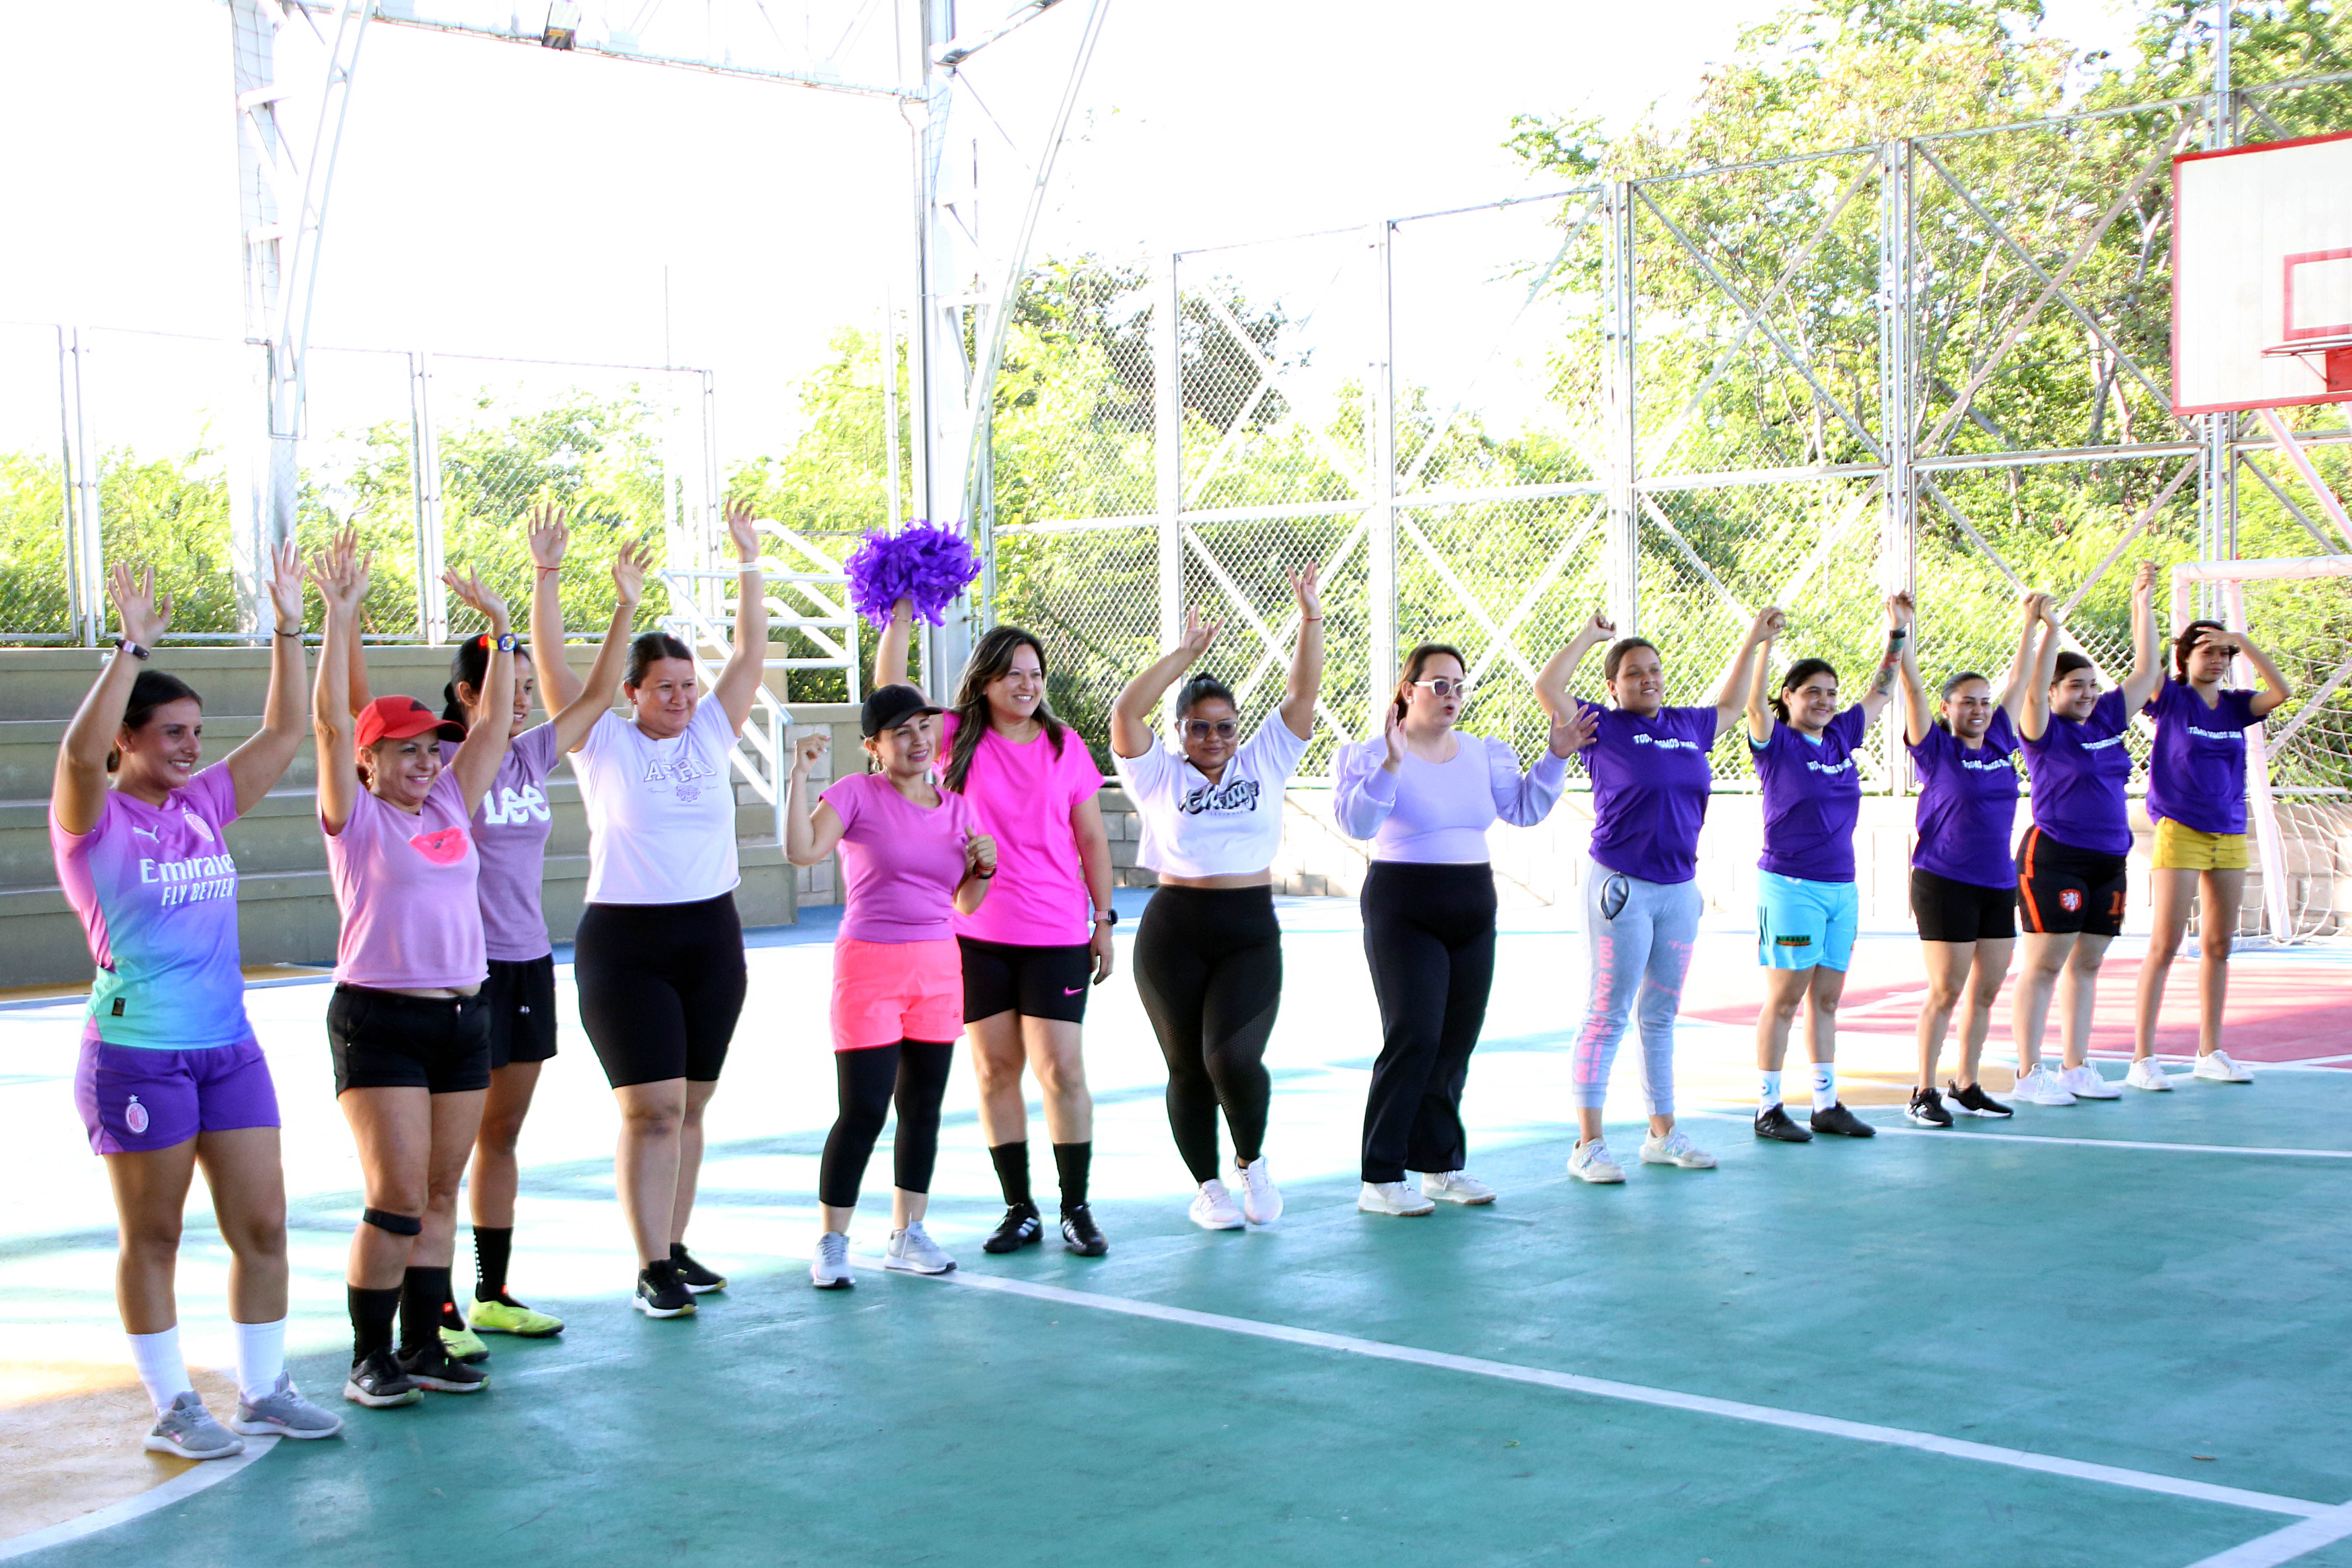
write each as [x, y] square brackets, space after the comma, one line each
[2147, 1074]
[1590, 1163]
[1213, 1208]
[2085, 1083]
[913, 1250]
[1391, 1197]
[2040, 1087]
[2215, 1067]
[829, 1269]
[1675, 1148]
[1260, 1202]
[1455, 1187]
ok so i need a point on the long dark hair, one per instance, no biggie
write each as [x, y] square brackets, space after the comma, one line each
[1420, 655]
[990, 661]
[150, 689]
[2186, 644]
[1953, 684]
[470, 667]
[1801, 671]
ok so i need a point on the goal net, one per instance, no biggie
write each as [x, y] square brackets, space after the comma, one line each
[2299, 762]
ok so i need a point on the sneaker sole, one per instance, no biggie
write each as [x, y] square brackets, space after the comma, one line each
[703, 1290]
[522, 1333]
[1400, 1214]
[1073, 1247]
[843, 1284]
[1219, 1223]
[1466, 1203]
[274, 1429]
[650, 1311]
[1586, 1175]
[165, 1445]
[443, 1385]
[1679, 1165]
[1786, 1135]
[903, 1267]
[1988, 1115]
[358, 1395]
[1925, 1121]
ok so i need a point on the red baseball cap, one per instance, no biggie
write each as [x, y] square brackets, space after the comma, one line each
[398, 718]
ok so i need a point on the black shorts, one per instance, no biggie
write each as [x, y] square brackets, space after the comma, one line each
[2063, 889]
[521, 997]
[1957, 911]
[381, 1040]
[1035, 982]
[660, 987]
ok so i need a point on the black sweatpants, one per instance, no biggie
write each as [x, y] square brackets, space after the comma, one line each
[1429, 933]
[916, 1071]
[1208, 964]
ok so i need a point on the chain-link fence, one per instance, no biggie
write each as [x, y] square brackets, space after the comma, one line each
[1937, 364]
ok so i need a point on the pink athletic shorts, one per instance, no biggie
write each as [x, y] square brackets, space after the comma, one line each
[885, 991]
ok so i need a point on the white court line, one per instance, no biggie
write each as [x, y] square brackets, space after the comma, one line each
[188, 1483]
[2285, 1545]
[1947, 1136]
[1633, 1393]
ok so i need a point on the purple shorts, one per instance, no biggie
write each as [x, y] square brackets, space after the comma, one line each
[136, 1102]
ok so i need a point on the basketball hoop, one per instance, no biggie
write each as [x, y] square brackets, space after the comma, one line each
[2329, 358]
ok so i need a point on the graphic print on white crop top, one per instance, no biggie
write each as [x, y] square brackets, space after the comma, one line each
[661, 813]
[1196, 828]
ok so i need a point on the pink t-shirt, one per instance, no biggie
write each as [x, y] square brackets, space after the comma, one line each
[407, 888]
[903, 862]
[1023, 795]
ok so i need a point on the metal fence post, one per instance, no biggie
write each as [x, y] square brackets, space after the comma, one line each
[1899, 405]
[78, 495]
[1621, 458]
[424, 484]
[1168, 443]
[1380, 639]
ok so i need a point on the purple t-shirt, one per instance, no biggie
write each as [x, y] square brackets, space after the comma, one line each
[406, 885]
[1812, 798]
[156, 891]
[2197, 773]
[511, 830]
[903, 862]
[2078, 767]
[1968, 805]
[1650, 786]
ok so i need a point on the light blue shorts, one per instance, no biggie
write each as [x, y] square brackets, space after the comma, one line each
[1800, 923]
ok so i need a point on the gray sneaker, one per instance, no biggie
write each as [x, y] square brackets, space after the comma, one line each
[284, 1413]
[829, 1269]
[189, 1430]
[913, 1248]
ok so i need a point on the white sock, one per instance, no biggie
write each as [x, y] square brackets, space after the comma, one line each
[260, 1357]
[1769, 1095]
[1825, 1085]
[157, 1357]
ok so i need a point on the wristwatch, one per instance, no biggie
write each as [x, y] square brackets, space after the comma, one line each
[507, 642]
[132, 648]
[1106, 917]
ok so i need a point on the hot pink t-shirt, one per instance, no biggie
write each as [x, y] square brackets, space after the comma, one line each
[903, 862]
[407, 886]
[1023, 795]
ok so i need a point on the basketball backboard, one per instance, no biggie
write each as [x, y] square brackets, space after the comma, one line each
[2261, 275]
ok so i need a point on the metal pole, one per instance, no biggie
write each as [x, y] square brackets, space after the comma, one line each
[1622, 457]
[424, 484]
[891, 516]
[1168, 443]
[2216, 498]
[1898, 392]
[77, 496]
[1381, 643]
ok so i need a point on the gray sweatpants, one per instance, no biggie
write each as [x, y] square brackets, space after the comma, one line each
[1644, 952]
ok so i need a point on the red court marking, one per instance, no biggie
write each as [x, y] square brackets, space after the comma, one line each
[2278, 1012]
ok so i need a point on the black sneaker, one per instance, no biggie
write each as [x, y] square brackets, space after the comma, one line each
[1837, 1119]
[1775, 1124]
[661, 1293]
[1974, 1100]
[691, 1274]
[432, 1366]
[377, 1382]
[1927, 1110]
[1020, 1227]
[1080, 1234]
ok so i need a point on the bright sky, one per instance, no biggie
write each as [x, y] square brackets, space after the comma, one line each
[507, 200]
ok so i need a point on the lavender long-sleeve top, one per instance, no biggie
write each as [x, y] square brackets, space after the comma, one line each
[1438, 813]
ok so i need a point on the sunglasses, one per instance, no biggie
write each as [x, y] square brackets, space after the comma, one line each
[1440, 686]
[1201, 729]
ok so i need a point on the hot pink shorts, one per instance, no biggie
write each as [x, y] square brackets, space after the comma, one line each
[885, 991]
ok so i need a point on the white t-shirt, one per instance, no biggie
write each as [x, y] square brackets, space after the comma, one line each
[661, 814]
[1196, 828]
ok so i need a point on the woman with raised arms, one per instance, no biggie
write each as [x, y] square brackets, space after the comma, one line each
[1651, 779]
[1425, 794]
[1208, 953]
[1963, 883]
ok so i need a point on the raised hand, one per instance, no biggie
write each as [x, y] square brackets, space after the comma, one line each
[807, 750]
[144, 618]
[340, 570]
[285, 579]
[1770, 624]
[743, 532]
[548, 537]
[478, 595]
[1598, 629]
[980, 856]
[2144, 582]
[2033, 604]
[1900, 610]
[1392, 732]
[629, 569]
[1573, 730]
[1197, 635]
[1303, 585]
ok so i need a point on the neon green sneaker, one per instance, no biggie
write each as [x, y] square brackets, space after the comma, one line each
[463, 1345]
[513, 1317]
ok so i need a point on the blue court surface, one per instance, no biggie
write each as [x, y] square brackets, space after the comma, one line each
[2110, 1334]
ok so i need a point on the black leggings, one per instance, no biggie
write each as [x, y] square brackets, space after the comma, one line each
[917, 1071]
[1429, 933]
[1208, 964]
[660, 987]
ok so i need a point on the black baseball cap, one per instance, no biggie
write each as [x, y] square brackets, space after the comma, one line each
[890, 707]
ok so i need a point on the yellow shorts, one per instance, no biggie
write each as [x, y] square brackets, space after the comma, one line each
[2179, 849]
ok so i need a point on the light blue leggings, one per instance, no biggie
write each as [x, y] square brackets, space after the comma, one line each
[1645, 950]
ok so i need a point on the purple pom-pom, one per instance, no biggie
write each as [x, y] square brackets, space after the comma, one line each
[930, 564]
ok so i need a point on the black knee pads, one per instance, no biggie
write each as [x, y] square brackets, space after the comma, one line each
[397, 1224]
